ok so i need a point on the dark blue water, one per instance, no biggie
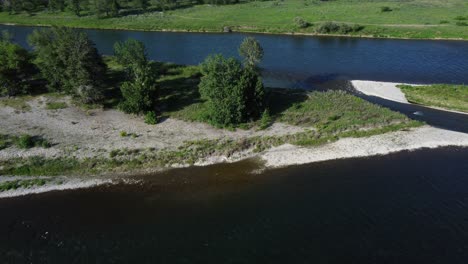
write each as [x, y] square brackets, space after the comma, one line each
[302, 61]
[410, 207]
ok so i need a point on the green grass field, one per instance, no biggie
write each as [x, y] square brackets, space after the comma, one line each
[418, 19]
[451, 97]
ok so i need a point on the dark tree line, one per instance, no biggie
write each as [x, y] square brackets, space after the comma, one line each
[101, 8]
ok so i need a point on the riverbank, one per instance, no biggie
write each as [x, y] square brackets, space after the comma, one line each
[403, 20]
[450, 98]
[88, 144]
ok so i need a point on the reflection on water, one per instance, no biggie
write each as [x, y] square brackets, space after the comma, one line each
[410, 207]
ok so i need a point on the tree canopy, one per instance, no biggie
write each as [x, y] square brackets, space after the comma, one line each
[16, 68]
[68, 60]
[234, 94]
[252, 51]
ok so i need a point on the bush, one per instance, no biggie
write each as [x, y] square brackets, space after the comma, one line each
[140, 92]
[266, 119]
[328, 27]
[89, 94]
[16, 68]
[233, 94]
[123, 133]
[301, 23]
[461, 24]
[385, 9]
[331, 27]
[461, 18]
[139, 95]
[25, 141]
[151, 118]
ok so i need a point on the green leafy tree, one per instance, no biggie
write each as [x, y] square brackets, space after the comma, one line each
[16, 68]
[252, 51]
[75, 6]
[139, 94]
[233, 94]
[143, 4]
[131, 53]
[68, 60]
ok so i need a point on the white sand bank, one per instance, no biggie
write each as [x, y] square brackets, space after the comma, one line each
[423, 137]
[386, 90]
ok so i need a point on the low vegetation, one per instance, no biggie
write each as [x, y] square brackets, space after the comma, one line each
[383, 18]
[24, 141]
[17, 184]
[451, 97]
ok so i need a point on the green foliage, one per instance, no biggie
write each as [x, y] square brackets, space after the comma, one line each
[151, 118]
[123, 133]
[69, 61]
[131, 53]
[266, 119]
[385, 9]
[332, 27]
[16, 68]
[452, 97]
[56, 105]
[25, 142]
[461, 23]
[16, 184]
[300, 22]
[140, 94]
[251, 50]
[234, 94]
[258, 16]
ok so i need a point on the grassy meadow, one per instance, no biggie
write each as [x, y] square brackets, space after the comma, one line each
[451, 97]
[419, 19]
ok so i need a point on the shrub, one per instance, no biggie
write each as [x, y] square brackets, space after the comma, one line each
[461, 18]
[301, 23]
[16, 68]
[331, 27]
[88, 94]
[151, 118]
[385, 9]
[139, 95]
[266, 119]
[328, 27]
[25, 141]
[444, 22]
[461, 24]
[123, 133]
[233, 94]
[140, 92]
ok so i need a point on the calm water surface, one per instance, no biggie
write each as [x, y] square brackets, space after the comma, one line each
[410, 207]
[302, 61]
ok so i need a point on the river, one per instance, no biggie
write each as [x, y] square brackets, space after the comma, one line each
[302, 61]
[409, 207]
